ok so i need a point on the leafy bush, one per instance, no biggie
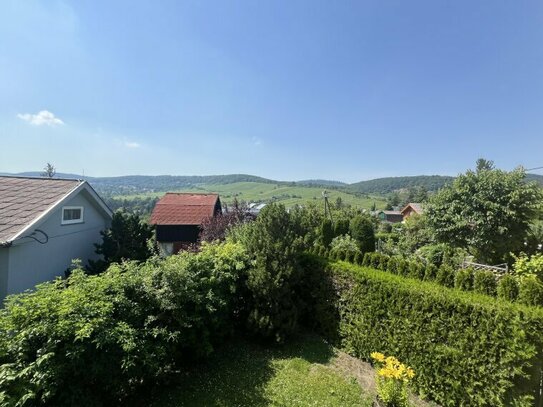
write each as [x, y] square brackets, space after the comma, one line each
[484, 282]
[403, 267]
[474, 350]
[463, 279]
[445, 275]
[532, 265]
[508, 288]
[344, 245]
[530, 291]
[92, 340]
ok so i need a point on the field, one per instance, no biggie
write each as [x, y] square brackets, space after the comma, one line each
[266, 192]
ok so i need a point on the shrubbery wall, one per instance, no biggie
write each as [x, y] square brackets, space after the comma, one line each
[467, 349]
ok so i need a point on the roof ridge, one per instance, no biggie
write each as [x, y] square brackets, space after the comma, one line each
[42, 178]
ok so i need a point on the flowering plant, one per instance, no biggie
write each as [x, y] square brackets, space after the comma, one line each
[392, 380]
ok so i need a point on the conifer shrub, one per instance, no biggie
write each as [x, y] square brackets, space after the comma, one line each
[383, 262]
[416, 270]
[403, 267]
[392, 266]
[430, 272]
[349, 256]
[375, 260]
[508, 288]
[358, 258]
[463, 279]
[530, 291]
[474, 350]
[484, 282]
[367, 259]
[445, 275]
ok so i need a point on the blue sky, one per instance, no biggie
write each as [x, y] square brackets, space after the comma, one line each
[282, 89]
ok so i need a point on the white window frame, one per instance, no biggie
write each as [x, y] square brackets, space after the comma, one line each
[72, 221]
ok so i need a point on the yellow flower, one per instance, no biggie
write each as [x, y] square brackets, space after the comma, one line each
[378, 356]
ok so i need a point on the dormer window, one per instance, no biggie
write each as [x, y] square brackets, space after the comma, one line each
[72, 214]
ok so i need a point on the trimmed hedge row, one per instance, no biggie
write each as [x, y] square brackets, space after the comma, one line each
[467, 349]
[528, 291]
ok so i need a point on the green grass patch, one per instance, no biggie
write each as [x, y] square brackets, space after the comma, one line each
[247, 374]
[265, 192]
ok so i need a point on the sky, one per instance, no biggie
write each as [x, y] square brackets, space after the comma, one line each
[289, 90]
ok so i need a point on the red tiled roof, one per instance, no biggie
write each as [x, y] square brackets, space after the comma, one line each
[183, 209]
[23, 200]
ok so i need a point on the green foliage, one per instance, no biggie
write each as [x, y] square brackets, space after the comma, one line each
[366, 261]
[430, 272]
[361, 229]
[463, 279]
[530, 291]
[344, 246]
[414, 234]
[508, 288]
[487, 211]
[357, 259]
[126, 239]
[445, 276]
[466, 349]
[275, 242]
[341, 226]
[327, 232]
[484, 282]
[529, 265]
[416, 269]
[402, 267]
[92, 340]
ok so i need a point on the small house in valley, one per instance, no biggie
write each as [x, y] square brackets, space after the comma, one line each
[45, 223]
[390, 216]
[177, 218]
[412, 208]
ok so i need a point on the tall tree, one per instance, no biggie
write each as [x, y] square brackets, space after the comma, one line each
[362, 231]
[486, 211]
[49, 171]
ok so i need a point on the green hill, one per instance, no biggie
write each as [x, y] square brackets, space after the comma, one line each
[391, 184]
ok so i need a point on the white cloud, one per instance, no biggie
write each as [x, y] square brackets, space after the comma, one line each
[43, 117]
[132, 144]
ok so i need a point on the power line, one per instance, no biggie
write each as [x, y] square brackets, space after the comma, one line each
[536, 168]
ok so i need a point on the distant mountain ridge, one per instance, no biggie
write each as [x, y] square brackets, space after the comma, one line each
[137, 184]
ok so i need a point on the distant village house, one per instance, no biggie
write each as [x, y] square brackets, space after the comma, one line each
[45, 223]
[390, 216]
[177, 218]
[412, 208]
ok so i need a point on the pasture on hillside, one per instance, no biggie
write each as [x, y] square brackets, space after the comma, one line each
[266, 192]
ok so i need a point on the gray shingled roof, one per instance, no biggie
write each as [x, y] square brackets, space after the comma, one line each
[24, 199]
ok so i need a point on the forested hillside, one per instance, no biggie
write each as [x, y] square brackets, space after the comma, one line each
[391, 184]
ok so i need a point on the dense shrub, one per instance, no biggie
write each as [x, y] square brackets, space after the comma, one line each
[392, 266]
[403, 267]
[530, 291]
[445, 275]
[367, 259]
[361, 229]
[430, 272]
[344, 246]
[274, 242]
[416, 269]
[508, 288]
[484, 282]
[358, 257]
[463, 279]
[474, 350]
[91, 340]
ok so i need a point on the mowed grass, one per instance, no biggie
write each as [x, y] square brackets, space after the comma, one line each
[246, 374]
[287, 195]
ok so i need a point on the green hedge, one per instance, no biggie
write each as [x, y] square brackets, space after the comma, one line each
[467, 349]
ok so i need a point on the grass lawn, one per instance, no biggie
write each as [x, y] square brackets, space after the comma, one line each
[245, 374]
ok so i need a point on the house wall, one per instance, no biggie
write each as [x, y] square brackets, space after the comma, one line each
[31, 263]
[4, 267]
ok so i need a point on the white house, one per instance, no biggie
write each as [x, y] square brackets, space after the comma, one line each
[45, 223]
